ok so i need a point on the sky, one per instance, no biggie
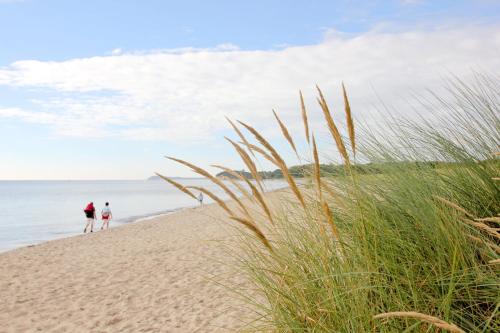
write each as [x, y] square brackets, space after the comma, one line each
[105, 89]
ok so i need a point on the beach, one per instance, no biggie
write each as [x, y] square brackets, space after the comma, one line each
[156, 275]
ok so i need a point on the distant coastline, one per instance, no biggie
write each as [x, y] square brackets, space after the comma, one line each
[181, 178]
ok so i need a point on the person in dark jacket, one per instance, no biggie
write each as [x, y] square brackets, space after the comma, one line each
[90, 214]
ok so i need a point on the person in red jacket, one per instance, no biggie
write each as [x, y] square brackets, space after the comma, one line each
[90, 214]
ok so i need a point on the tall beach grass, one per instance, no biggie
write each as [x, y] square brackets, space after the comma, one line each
[413, 247]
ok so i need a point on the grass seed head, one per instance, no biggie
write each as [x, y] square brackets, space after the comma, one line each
[304, 116]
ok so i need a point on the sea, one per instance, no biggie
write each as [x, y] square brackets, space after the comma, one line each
[32, 212]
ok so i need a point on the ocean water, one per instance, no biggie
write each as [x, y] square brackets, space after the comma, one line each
[32, 212]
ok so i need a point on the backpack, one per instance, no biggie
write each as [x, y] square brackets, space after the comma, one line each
[89, 208]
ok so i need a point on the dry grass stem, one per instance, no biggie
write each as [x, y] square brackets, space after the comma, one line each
[279, 162]
[317, 176]
[423, 317]
[261, 200]
[256, 194]
[285, 133]
[215, 180]
[264, 143]
[214, 197]
[304, 116]
[240, 188]
[317, 169]
[329, 218]
[350, 122]
[493, 219]
[235, 183]
[255, 230]
[180, 187]
[237, 130]
[491, 231]
[332, 127]
[494, 262]
[495, 247]
[260, 151]
[248, 162]
[453, 205]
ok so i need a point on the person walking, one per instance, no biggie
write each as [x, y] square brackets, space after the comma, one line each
[106, 216]
[90, 214]
[200, 198]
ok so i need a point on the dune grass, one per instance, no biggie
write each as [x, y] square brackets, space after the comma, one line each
[413, 248]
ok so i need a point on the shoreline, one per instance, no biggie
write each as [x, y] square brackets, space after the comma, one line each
[114, 224]
[33, 229]
[151, 275]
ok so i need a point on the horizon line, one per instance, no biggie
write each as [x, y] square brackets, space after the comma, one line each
[100, 179]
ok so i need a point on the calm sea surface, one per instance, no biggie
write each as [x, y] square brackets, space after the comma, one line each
[35, 211]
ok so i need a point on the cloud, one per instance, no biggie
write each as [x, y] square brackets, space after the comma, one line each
[116, 51]
[183, 95]
[31, 117]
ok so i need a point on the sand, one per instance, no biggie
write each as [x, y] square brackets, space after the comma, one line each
[149, 276]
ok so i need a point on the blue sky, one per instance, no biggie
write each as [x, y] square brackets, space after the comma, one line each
[104, 89]
[59, 30]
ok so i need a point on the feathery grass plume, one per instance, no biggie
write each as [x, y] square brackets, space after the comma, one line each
[248, 162]
[255, 230]
[238, 186]
[350, 122]
[179, 186]
[453, 205]
[242, 137]
[317, 176]
[235, 183]
[493, 219]
[260, 151]
[215, 198]
[279, 162]
[329, 217]
[423, 317]
[256, 194]
[304, 116]
[232, 216]
[491, 231]
[214, 180]
[317, 169]
[261, 200]
[285, 133]
[478, 240]
[333, 128]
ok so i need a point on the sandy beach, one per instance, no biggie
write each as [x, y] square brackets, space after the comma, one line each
[149, 276]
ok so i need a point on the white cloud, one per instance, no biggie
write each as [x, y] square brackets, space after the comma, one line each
[116, 51]
[183, 95]
[32, 117]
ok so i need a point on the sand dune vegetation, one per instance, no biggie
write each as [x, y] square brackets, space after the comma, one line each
[411, 248]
